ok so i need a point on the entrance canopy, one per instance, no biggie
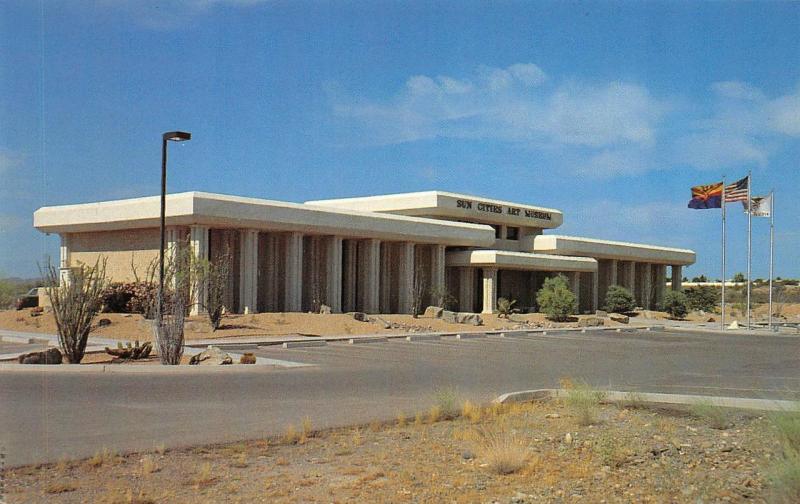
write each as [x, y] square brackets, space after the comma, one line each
[506, 260]
[604, 249]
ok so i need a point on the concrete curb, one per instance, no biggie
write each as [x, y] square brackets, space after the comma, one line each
[424, 337]
[304, 344]
[611, 396]
[371, 339]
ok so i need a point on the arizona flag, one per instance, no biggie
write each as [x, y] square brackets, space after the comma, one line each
[706, 196]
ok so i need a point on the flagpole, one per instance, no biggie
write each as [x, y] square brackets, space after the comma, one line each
[749, 241]
[771, 249]
[722, 321]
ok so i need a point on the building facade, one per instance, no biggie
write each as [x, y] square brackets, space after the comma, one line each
[371, 254]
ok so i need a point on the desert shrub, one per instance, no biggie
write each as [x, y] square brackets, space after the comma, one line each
[702, 298]
[619, 300]
[555, 299]
[583, 400]
[784, 475]
[447, 402]
[675, 303]
[503, 453]
[715, 416]
[75, 304]
[505, 307]
[442, 298]
[215, 274]
[787, 426]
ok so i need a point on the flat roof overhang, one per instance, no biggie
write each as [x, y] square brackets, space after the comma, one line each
[217, 210]
[453, 206]
[524, 261]
[604, 249]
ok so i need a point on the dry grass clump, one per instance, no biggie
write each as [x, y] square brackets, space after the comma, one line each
[471, 412]
[100, 458]
[160, 448]
[632, 400]
[447, 402]
[583, 400]
[58, 487]
[204, 476]
[434, 414]
[149, 465]
[418, 420]
[240, 461]
[401, 419]
[503, 453]
[291, 436]
[715, 416]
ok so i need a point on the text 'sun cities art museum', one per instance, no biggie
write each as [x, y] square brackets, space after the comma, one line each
[364, 254]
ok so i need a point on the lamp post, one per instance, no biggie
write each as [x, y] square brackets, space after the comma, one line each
[171, 136]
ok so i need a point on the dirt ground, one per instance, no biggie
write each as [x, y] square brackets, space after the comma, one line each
[133, 326]
[628, 454]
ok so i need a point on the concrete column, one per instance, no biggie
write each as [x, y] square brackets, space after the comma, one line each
[613, 278]
[489, 290]
[293, 273]
[269, 260]
[595, 290]
[198, 241]
[466, 288]
[369, 267]
[677, 277]
[64, 262]
[437, 269]
[405, 277]
[350, 276]
[248, 271]
[660, 274]
[647, 287]
[385, 296]
[574, 278]
[333, 273]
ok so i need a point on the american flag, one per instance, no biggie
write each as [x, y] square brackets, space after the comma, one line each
[737, 191]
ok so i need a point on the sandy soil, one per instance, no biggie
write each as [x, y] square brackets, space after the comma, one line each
[626, 455]
[133, 326]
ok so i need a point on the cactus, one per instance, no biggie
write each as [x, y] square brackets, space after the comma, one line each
[134, 352]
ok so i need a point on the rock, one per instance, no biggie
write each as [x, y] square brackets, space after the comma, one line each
[711, 319]
[247, 358]
[734, 325]
[433, 312]
[590, 322]
[601, 313]
[325, 309]
[552, 415]
[448, 316]
[467, 455]
[360, 316]
[49, 356]
[468, 318]
[568, 438]
[103, 322]
[211, 356]
[618, 317]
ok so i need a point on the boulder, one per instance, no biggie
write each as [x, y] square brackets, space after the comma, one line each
[590, 322]
[448, 316]
[325, 309]
[601, 313]
[711, 319]
[734, 325]
[618, 317]
[49, 356]
[360, 316]
[469, 318]
[211, 356]
[433, 312]
[103, 322]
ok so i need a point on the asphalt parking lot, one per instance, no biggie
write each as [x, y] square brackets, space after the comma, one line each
[47, 416]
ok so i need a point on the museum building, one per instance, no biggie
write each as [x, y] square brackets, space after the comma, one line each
[363, 254]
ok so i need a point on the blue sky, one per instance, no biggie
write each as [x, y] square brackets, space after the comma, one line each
[607, 111]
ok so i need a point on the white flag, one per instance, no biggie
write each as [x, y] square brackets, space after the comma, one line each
[761, 205]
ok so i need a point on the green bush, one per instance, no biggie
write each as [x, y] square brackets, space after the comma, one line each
[555, 299]
[702, 298]
[619, 300]
[675, 303]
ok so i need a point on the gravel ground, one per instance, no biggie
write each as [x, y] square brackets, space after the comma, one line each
[626, 455]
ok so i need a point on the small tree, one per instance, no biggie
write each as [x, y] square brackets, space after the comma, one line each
[704, 298]
[442, 298]
[739, 278]
[675, 303]
[75, 302]
[215, 274]
[505, 307]
[619, 300]
[555, 299]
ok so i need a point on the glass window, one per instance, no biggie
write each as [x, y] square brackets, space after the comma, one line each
[512, 233]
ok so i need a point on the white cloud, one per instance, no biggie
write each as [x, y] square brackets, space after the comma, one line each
[784, 114]
[509, 104]
[616, 162]
[170, 14]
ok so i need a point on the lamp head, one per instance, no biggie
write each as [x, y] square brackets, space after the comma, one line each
[177, 136]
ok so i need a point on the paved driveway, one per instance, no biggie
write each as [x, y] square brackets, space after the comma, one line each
[46, 416]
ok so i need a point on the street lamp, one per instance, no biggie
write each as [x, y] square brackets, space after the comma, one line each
[171, 136]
